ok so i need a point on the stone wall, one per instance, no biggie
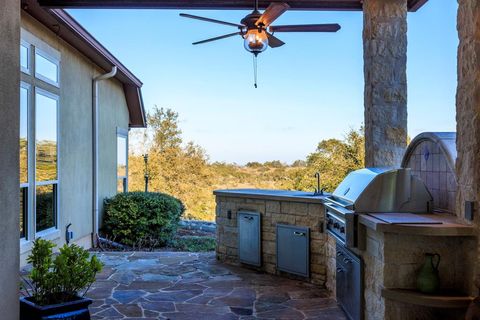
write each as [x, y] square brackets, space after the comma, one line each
[272, 212]
[468, 111]
[392, 260]
[385, 96]
[468, 103]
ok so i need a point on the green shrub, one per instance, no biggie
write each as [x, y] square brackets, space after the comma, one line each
[135, 216]
[194, 243]
[59, 279]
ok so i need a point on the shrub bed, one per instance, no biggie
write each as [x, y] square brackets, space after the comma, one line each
[132, 216]
[194, 243]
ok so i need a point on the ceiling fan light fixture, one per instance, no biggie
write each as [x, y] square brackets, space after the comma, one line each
[255, 41]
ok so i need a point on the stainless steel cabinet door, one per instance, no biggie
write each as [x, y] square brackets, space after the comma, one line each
[249, 245]
[293, 246]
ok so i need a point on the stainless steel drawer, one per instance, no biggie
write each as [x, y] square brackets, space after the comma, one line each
[349, 283]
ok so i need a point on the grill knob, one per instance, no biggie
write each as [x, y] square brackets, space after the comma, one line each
[336, 225]
[342, 229]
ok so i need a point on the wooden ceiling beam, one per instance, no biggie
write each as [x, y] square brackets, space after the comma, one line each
[310, 5]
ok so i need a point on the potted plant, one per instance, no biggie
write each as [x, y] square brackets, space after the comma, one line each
[52, 289]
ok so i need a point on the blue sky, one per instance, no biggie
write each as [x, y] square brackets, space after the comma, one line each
[308, 90]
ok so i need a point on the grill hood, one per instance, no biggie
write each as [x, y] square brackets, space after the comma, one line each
[372, 190]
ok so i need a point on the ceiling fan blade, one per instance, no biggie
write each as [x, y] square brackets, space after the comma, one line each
[185, 15]
[218, 38]
[334, 27]
[273, 11]
[274, 42]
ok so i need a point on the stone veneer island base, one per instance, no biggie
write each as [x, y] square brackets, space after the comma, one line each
[275, 207]
[392, 256]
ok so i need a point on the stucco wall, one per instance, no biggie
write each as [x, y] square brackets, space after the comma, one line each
[9, 182]
[113, 114]
[75, 168]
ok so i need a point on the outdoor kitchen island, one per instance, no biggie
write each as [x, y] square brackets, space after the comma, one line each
[393, 254]
[277, 214]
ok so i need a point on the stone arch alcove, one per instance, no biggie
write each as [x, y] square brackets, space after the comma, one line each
[431, 157]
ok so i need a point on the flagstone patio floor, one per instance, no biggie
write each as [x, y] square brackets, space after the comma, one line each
[179, 285]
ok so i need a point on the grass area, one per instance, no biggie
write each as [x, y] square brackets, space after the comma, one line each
[193, 243]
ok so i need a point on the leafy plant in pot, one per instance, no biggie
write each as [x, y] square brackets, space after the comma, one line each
[52, 289]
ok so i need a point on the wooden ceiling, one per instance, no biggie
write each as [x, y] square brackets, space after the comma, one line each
[314, 5]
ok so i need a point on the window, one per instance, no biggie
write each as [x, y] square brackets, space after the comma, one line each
[46, 105]
[38, 137]
[46, 68]
[25, 57]
[46, 207]
[24, 103]
[122, 160]
[46, 135]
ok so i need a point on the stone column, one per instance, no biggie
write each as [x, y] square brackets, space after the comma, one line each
[385, 65]
[9, 158]
[468, 104]
[468, 114]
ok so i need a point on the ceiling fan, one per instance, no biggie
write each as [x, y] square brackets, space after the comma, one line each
[257, 31]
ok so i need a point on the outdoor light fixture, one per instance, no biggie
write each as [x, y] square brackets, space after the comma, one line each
[256, 41]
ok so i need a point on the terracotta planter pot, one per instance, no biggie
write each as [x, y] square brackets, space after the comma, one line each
[72, 310]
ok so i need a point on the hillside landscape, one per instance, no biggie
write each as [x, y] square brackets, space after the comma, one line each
[183, 169]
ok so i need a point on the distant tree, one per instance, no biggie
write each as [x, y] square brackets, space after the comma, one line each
[299, 163]
[274, 164]
[253, 164]
[177, 168]
[334, 159]
[164, 125]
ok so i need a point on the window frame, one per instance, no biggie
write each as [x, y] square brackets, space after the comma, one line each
[122, 133]
[35, 83]
[52, 59]
[56, 182]
[30, 146]
[28, 45]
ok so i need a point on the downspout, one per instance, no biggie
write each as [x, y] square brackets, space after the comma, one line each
[95, 210]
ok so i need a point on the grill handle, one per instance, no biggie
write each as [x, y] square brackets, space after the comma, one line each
[299, 234]
[248, 218]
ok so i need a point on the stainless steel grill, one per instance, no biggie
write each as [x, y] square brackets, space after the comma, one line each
[373, 190]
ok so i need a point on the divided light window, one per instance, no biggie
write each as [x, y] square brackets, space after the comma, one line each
[38, 139]
[46, 68]
[46, 109]
[24, 110]
[122, 160]
[25, 56]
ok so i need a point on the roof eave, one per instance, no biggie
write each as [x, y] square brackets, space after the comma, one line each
[68, 29]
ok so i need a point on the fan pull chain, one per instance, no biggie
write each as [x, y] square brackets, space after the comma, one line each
[255, 71]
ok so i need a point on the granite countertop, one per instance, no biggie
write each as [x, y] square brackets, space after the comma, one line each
[448, 226]
[282, 195]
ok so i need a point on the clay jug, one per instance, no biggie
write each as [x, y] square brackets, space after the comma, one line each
[428, 280]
